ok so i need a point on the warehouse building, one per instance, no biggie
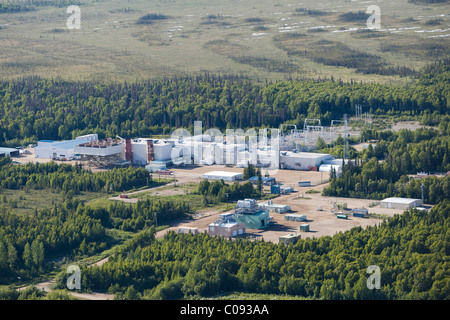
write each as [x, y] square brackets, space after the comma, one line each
[401, 203]
[61, 150]
[9, 152]
[302, 160]
[279, 208]
[222, 175]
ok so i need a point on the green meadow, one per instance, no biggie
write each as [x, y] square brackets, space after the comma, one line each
[263, 40]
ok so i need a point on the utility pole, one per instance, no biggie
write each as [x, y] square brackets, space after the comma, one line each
[422, 187]
[346, 138]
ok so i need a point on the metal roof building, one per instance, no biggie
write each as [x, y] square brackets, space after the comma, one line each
[279, 208]
[400, 203]
[302, 160]
[11, 152]
[223, 175]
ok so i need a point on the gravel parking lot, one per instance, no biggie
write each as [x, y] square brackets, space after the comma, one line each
[316, 207]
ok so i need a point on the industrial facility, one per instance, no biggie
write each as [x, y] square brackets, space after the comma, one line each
[158, 154]
[400, 203]
[302, 160]
[251, 214]
[226, 226]
[61, 150]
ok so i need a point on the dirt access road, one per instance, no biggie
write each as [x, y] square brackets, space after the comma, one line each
[47, 287]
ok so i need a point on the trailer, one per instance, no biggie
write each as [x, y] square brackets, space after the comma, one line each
[360, 215]
[342, 216]
[304, 183]
[295, 217]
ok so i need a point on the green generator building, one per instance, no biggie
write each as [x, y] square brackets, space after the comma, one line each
[254, 216]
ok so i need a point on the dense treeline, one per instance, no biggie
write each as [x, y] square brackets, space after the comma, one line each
[403, 153]
[219, 191]
[31, 5]
[411, 251]
[151, 17]
[68, 178]
[27, 241]
[33, 108]
[144, 214]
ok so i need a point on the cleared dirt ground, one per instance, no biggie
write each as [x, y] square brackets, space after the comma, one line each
[321, 222]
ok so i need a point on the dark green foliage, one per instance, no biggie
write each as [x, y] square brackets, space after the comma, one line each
[411, 251]
[26, 241]
[31, 5]
[33, 108]
[312, 12]
[249, 172]
[217, 190]
[145, 213]
[151, 18]
[354, 16]
[65, 177]
[404, 152]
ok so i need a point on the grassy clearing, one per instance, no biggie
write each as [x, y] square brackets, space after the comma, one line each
[26, 201]
[187, 37]
[256, 296]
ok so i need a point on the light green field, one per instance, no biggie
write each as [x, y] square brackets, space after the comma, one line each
[27, 201]
[222, 37]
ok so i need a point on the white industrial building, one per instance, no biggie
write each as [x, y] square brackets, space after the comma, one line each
[9, 152]
[223, 175]
[61, 150]
[302, 160]
[279, 208]
[401, 203]
[226, 226]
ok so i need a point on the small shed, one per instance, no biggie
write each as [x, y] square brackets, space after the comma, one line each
[304, 183]
[275, 189]
[304, 227]
[289, 238]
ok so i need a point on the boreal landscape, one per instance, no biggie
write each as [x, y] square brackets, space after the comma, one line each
[145, 69]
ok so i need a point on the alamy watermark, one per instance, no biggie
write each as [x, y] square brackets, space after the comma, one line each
[374, 21]
[374, 281]
[74, 280]
[74, 21]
